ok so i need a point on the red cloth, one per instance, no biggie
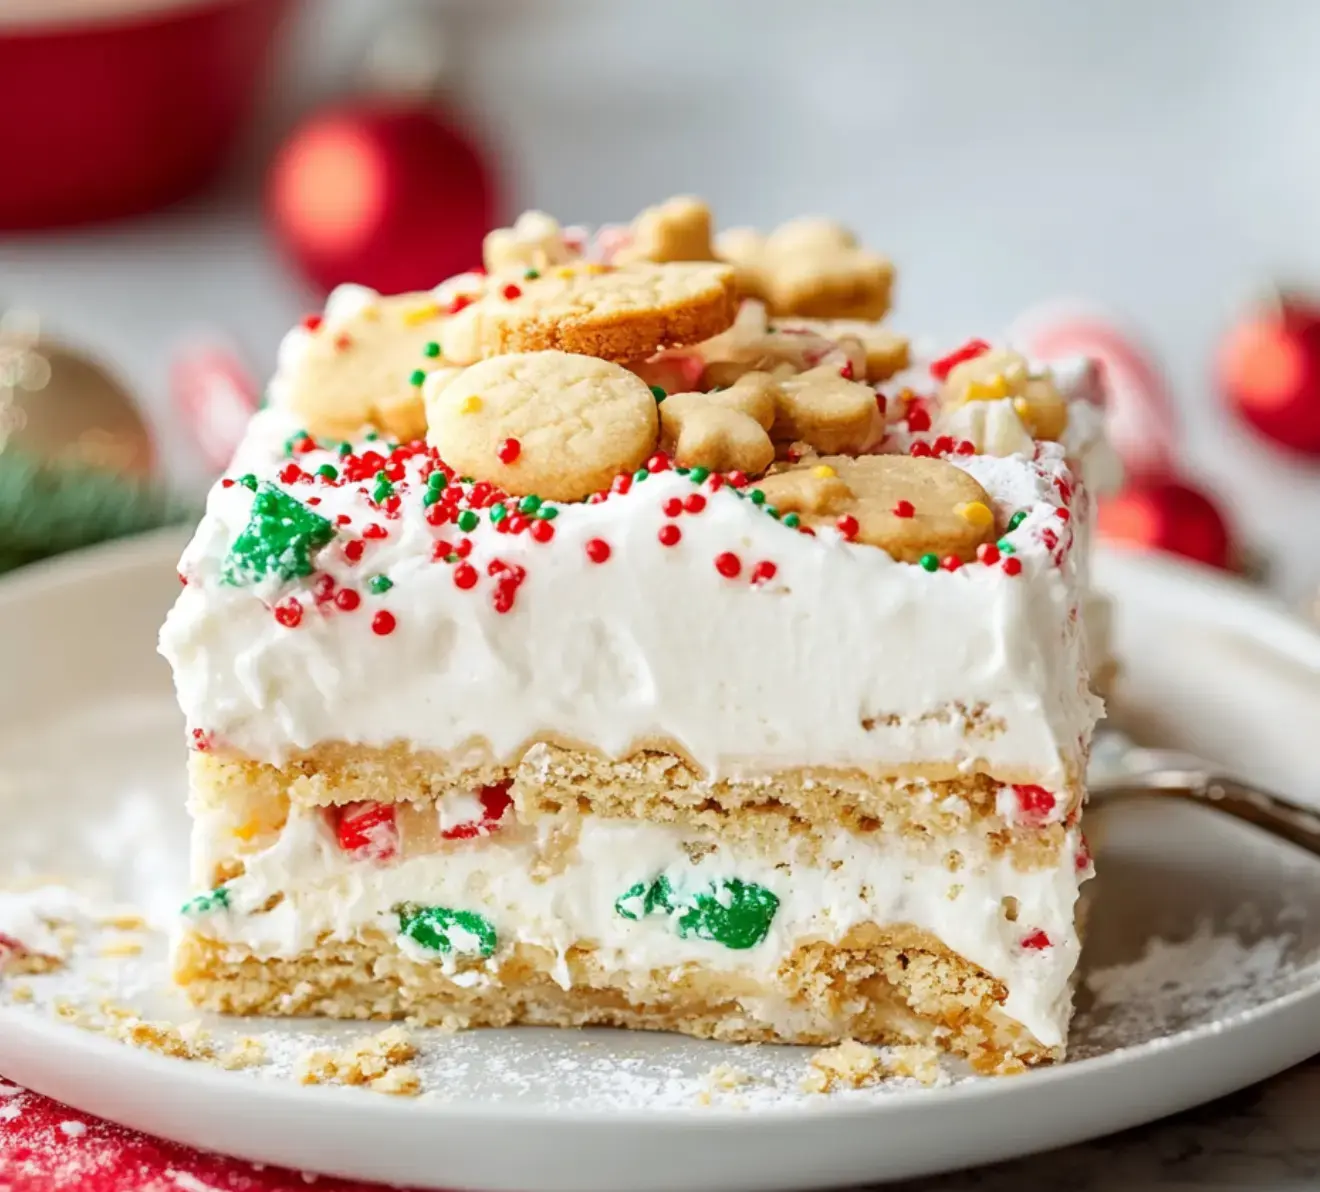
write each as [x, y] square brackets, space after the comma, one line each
[47, 1147]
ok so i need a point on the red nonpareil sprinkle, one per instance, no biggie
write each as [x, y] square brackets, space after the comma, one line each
[305, 444]
[460, 302]
[383, 623]
[505, 594]
[881, 403]
[346, 600]
[942, 445]
[226, 483]
[375, 530]
[846, 372]
[324, 588]
[659, 462]
[368, 830]
[736, 478]
[1049, 538]
[313, 322]
[1083, 857]
[1065, 489]
[289, 613]
[904, 509]
[672, 507]
[465, 576]
[670, 535]
[950, 562]
[965, 447]
[598, 550]
[518, 523]
[464, 548]
[715, 481]
[1034, 802]
[1063, 514]
[848, 526]
[390, 505]
[290, 473]
[987, 553]
[764, 571]
[1012, 566]
[694, 503]
[183, 579]
[313, 500]
[343, 520]
[918, 420]
[941, 368]
[439, 513]
[728, 564]
[621, 483]
[343, 341]
[597, 498]
[543, 531]
[1036, 941]
[919, 449]
[353, 550]
[495, 803]
[510, 292]
[509, 451]
[202, 740]
[481, 495]
[395, 470]
[440, 549]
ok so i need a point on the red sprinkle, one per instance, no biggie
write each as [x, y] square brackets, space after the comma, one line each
[383, 622]
[183, 579]
[226, 483]
[1049, 538]
[1036, 941]
[987, 553]
[313, 322]
[728, 564]
[518, 523]
[848, 526]
[343, 342]
[1062, 514]
[509, 450]
[919, 449]
[290, 473]
[950, 562]
[764, 571]
[695, 503]
[543, 531]
[305, 444]
[736, 478]
[1083, 857]
[905, 509]
[464, 548]
[941, 368]
[942, 445]
[669, 535]
[1012, 566]
[1034, 802]
[672, 507]
[918, 420]
[368, 830]
[202, 740]
[439, 513]
[659, 462]
[324, 588]
[375, 530]
[715, 481]
[289, 613]
[966, 447]
[353, 550]
[621, 483]
[598, 550]
[846, 372]
[346, 599]
[511, 292]
[495, 802]
[460, 302]
[465, 576]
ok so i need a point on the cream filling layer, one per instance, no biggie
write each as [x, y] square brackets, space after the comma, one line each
[852, 881]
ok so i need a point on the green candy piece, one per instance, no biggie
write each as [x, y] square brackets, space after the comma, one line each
[658, 393]
[383, 491]
[531, 274]
[756, 496]
[248, 481]
[278, 540]
[431, 349]
[529, 504]
[791, 520]
[547, 513]
[498, 513]
[417, 377]
[345, 449]
[380, 584]
[929, 562]
[697, 475]
[430, 497]
[1016, 520]
[467, 521]
[731, 912]
[205, 904]
[1006, 547]
[437, 481]
[329, 471]
[443, 930]
[640, 475]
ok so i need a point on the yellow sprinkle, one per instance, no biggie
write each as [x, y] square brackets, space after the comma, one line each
[420, 314]
[471, 404]
[597, 267]
[370, 313]
[566, 271]
[978, 513]
[824, 471]
[992, 390]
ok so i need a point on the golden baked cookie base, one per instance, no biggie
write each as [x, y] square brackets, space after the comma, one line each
[880, 985]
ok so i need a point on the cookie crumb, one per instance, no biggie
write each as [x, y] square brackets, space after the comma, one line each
[21, 994]
[124, 922]
[246, 1053]
[368, 1062]
[917, 1061]
[121, 946]
[850, 1064]
[726, 1076]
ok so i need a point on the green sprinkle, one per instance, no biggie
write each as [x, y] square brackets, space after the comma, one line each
[657, 392]
[529, 504]
[372, 436]
[417, 377]
[640, 475]
[437, 481]
[467, 521]
[382, 492]
[345, 449]
[1006, 547]
[279, 539]
[531, 274]
[205, 904]
[498, 513]
[631, 904]
[929, 562]
[293, 440]
[731, 912]
[697, 475]
[249, 481]
[771, 510]
[380, 584]
[329, 471]
[452, 557]
[792, 521]
[756, 496]
[682, 471]
[548, 512]
[439, 929]
[1016, 520]
[431, 349]
[429, 498]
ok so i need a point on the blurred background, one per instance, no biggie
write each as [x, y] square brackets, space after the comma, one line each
[181, 179]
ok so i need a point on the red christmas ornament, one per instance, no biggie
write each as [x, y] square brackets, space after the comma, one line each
[384, 192]
[1168, 515]
[1269, 370]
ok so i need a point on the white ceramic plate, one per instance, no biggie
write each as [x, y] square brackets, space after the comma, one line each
[91, 784]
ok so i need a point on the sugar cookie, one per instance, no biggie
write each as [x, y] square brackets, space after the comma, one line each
[884, 351]
[536, 241]
[724, 431]
[1000, 374]
[676, 230]
[550, 423]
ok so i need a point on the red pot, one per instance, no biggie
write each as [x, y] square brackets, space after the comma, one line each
[114, 107]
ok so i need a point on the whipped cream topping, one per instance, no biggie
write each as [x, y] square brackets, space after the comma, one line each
[845, 658]
[1017, 926]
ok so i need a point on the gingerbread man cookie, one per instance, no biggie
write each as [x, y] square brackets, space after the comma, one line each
[999, 374]
[884, 352]
[724, 431]
[364, 367]
[676, 230]
[623, 314]
[536, 241]
[812, 267]
[552, 424]
[909, 506]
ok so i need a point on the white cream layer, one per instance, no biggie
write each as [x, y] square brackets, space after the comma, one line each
[854, 881]
[847, 658]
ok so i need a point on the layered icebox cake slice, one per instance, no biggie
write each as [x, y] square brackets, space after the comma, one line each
[600, 640]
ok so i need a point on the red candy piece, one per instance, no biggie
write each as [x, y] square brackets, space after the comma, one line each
[368, 830]
[598, 550]
[672, 507]
[510, 292]
[543, 531]
[1034, 802]
[1012, 566]
[764, 571]
[941, 368]
[918, 419]
[728, 564]
[848, 526]
[695, 503]
[495, 801]
[346, 599]
[950, 562]
[509, 451]
[289, 613]
[465, 576]
[670, 535]
[1036, 941]
[905, 509]
[383, 623]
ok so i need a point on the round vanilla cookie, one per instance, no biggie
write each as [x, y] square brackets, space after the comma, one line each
[952, 512]
[577, 422]
[625, 313]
